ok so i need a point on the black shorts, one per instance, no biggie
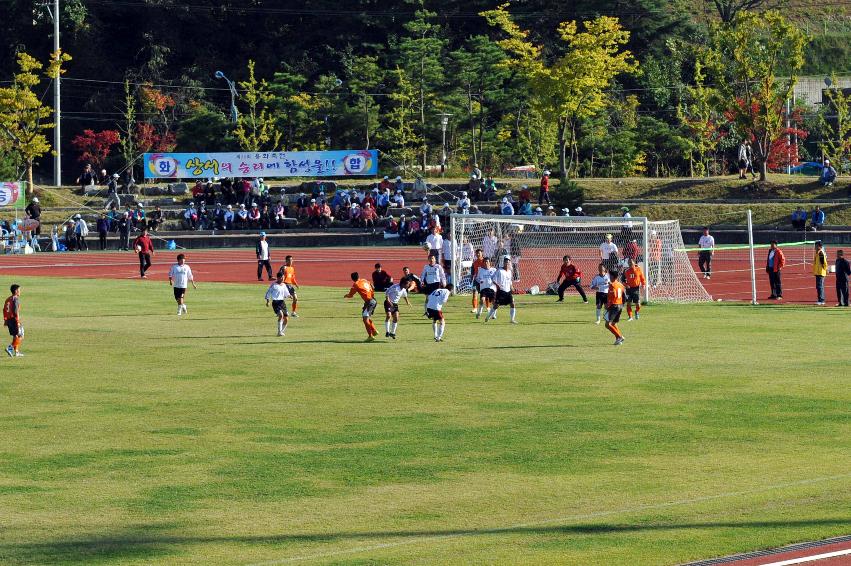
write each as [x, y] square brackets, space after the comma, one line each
[390, 308]
[601, 299]
[280, 307]
[430, 288]
[434, 315]
[291, 290]
[488, 293]
[447, 265]
[369, 307]
[613, 314]
[179, 293]
[12, 325]
[633, 294]
[504, 298]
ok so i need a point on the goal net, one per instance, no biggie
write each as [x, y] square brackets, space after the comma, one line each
[536, 245]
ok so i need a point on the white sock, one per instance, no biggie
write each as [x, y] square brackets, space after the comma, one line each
[491, 312]
[179, 310]
[434, 327]
[479, 310]
[441, 327]
[280, 326]
[387, 325]
[513, 312]
[598, 314]
[393, 327]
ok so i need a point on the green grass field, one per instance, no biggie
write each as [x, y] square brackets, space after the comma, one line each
[131, 437]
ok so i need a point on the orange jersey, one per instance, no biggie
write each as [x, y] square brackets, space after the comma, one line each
[363, 288]
[616, 293]
[476, 265]
[634, 277]
[289, 275]
[11, 308]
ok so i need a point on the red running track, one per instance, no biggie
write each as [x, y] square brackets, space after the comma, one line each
[331, 267]
[831, 552]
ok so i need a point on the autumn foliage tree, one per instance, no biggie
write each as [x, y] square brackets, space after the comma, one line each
[95, 147]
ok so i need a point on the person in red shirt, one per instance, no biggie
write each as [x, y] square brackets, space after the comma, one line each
[144, 247]
[544, 193]
[12, 321]
[634, 278]
[614, 306]
[364, 288]
[477, 263]
[572, 278]
[369, 217]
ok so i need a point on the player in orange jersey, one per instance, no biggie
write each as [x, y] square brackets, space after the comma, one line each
[477, 263]
[633, 279]
[364, 288]
[614, 306]
[289, 280]
[12, 321]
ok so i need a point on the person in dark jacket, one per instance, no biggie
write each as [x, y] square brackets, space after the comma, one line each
[103, 230]
[124, 225]
[381, 280]
[843, 271]
[33, 210]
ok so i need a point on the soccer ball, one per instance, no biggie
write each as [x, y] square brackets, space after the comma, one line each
[138, 249]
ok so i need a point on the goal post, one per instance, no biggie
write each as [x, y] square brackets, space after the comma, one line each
[536, 245]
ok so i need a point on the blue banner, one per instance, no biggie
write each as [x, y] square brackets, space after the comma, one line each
[269, 164]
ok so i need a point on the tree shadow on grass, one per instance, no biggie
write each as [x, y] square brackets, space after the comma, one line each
[152, 541]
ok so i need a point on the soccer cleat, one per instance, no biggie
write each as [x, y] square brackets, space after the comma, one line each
[629, 319]
[294, 314]
[437, 339]
[10, 351]
[370, 338]
[387, 335]
[19, 355]
[618, 341]
[472, 310]
[585, 301]
[393, 336]
[480, 314]
[513, 322]
[597, 322]
[559, 300]
[280, 333]
[636, 316]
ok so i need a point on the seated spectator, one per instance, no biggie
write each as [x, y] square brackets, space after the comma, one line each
[139, 217]
[385, 183]
[131, 215]
[402, 228]
[355, 215]
[155, 220]
[577, 212]
[506, 208]
[399, 199]
[525, 207]
[325, 215]
[369, 199]
[550, 211]
[538, 211]
[525, 194]
[415, 232]
[381, 280]
[799, 219]
[382, 202]
[279, 214]
[425, 211]
[265, 217]
[313, 213]
[399, 186]
[828, 174]
[209, 194]
[817, 220]
[198, 190]
[392, 227]
[204, 220]
[420, 188]
[303, 204]
[489, 189]
[217, 217]
[474, 186]
[228, 218]
[475, 210]
[462, 205]
[190, 217]
[254, 216]
[241, 219]
[369, 217]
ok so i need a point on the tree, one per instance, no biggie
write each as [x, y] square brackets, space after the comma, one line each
[95, 147]
[22, 113]
[128, 128]
[400, 130]
[747, 58]
[256, 129]
[572, 87]
[729, 9]
[205, 130]
[835, 125]
[696, 115]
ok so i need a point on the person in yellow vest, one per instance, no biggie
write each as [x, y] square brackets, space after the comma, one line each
[820, 271]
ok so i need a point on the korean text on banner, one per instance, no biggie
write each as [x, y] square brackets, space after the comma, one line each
[13, 195]
[261, 164]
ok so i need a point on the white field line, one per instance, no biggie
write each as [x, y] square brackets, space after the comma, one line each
[193, 262]
[805, 559]
[564, 519]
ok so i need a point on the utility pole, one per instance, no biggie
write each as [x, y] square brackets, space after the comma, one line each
[57, 128]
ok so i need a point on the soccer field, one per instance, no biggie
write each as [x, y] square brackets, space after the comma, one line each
[133, 437]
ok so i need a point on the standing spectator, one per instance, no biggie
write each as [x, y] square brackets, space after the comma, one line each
[264, 257]
[33, 210]
[246, 192]
[743, 158]
[819, 271]
[70, 236]
[704, 257]
[124, 226]
[609, 253]
[227, 191]
[572, 278]
[750, 167]
[144, 247]
[774, 265]
[434, 243]
[381, 280]
[544, 193]
[103, 230]
[81, 232]
[490, 245]
[87, 177]
[209, 194]
[843, 271]
[828, 174]
[112, 197]
[817, 220]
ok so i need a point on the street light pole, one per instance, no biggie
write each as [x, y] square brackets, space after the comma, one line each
[234, 113]
[57, 128]
[444, 122]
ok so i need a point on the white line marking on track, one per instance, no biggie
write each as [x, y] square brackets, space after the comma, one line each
[567, 518]
[805, 559]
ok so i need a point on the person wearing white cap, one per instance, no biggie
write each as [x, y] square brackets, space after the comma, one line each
[369, 217]
[33, 210]
[400, 185]
[81, 232]
[462, 205]
[264, 257]
[579, 212]
[506, 209]
[551, 211]
[828, 174]
[544, 192]
[609, 253]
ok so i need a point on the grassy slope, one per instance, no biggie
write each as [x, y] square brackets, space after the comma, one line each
[132, 437]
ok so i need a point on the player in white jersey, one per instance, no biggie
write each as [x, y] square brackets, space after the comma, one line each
[278, 293]
[600, 284]
[484, 282]
[179, 277]
[434, 308]
[502, 282]
[392, 296]
[433, 276]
